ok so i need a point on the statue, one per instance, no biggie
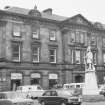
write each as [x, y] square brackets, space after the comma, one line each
[89, 59]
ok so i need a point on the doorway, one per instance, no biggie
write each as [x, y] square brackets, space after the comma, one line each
[78, 79]
[15, 84]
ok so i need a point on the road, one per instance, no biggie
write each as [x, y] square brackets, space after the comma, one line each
[84, 103]
[93, 103]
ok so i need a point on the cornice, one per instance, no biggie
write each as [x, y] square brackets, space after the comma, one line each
[61, 24]
[27, 17]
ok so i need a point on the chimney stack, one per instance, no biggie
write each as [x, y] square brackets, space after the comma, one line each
[48, 11]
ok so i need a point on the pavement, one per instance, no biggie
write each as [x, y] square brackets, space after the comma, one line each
[83, 103]
[93, 103]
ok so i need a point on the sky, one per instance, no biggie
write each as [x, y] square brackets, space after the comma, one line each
[93, 10]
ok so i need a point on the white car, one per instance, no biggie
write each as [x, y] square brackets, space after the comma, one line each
[33, 91]
[15, 98]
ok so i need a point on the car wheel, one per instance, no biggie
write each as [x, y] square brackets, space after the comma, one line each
[42, 103]
[79, 104]
[63, 103]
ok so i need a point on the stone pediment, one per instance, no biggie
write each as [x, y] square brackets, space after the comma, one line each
[78, 19]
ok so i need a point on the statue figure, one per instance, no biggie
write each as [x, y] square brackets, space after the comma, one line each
[89, 58]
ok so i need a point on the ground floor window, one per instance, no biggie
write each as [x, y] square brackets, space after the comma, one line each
[16, 80]
[35, 78]
[53, 80]
[78, 79]
[15, 84]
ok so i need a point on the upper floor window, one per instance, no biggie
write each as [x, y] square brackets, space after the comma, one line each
[82, 35]
[94, 58]
[84, 57]
[103, 57]
[77, 56]
[72, 38]
[77, 37]
[72, 56]
[35, 32]
[93, 40]
[35, 53]
[103, 42]
[52, 55]
[16, 30]
[16, 51]
[52, 35]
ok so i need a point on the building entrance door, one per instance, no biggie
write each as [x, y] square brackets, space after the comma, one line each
[15, 84]
[34, 81]
[52, 82]
[53, 79]
[78, 79]
[16, 79]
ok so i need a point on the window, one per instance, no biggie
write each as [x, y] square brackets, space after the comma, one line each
[16, 30]
[84, 57]
[104, 57]
[77, 37]
[52, 55]
[35, 33]
[72, 39]
[93, 40]
[16, 47]
[94, 58]
[72, 56]
[52, 35]
[81, 37]
[77, 56]
[35, 54]
[103, 42]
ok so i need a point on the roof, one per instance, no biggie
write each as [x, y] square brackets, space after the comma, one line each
[24, 11]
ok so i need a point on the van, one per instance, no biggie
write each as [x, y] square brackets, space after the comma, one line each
[73, 85]
[34, 91]
[28, 88]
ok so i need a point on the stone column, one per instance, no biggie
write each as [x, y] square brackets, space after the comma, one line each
[45, 82]
[26, 78]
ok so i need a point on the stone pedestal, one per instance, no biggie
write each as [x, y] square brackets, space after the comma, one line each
[90, 86]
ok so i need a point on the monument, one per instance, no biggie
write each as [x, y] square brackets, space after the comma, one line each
[90, 86]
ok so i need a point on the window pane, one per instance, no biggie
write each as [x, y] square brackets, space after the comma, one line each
[16, 30]
[72, 37]
[81, 37]
[77, 37]
[77, 55]
[35, 54]
[51, 58]
[93, 40]
[15, 48]
[52, 35]
[104, 58]
[16, 51]
[103, 42]
[35, 32]
[52, 53]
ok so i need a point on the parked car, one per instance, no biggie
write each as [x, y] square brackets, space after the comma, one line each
[32, 91]
[102, 89]
[73, 85]
[15, 98]
[52, 97]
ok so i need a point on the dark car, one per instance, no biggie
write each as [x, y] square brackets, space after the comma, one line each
[51, 97]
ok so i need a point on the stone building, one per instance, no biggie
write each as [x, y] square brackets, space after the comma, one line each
[47, 49]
